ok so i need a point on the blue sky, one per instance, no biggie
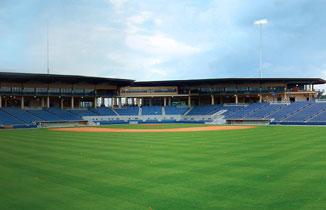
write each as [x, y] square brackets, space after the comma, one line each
[164, 39]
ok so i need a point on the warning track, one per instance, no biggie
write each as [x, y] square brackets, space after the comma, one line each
[122, 130]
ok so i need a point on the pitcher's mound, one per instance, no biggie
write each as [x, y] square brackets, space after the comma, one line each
[121, 130]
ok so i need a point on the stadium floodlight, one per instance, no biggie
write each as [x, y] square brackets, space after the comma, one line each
[260, 23]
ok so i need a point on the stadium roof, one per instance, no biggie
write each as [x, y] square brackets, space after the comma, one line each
[64, 79]
[76, 79]
[226, 81]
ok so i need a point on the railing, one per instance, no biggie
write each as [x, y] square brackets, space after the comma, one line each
[238, 104]
[280, 102]
[320, 100]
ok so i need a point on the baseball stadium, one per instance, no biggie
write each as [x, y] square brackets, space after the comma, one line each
[162, 105]
[79, 142]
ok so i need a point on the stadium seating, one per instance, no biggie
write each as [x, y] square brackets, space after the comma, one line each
[111, 122]
[151, 110]
[230, 109]
[204, 109]
[82, 112]
[133, 110]
[246, 111]
[21, 115]
[6, 119]
[301, 112]
[265, 111]
[175, 110]
[63, 114]
[45, 116]
[307, 113]
[321, 117]
[103, 111]
[288, 110]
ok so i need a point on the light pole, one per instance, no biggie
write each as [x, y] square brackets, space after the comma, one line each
[260, 23]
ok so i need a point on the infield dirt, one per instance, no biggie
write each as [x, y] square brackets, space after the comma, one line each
[121, 130]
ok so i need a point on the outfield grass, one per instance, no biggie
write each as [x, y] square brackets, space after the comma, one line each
[268, 167]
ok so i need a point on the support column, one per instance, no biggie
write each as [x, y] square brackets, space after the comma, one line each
[95, 102]
[221, 99]
[126, 101]
[120, 102]
[236, 99]
[133, 101]
[102, 101]
[170, 101]
[260, 98]
[150, 101]
[0, 101]
[61, 103]
[189, 101]
[48, 102]
[212, 99]
[42, 101]
[22, 103]
[72, 102]
[114, 101]
[164, 101]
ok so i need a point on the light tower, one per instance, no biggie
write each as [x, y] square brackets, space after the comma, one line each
[260, 23]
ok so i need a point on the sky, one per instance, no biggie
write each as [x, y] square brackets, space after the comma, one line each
[164, 39]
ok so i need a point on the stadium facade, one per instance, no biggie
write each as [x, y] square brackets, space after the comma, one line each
[64, 91]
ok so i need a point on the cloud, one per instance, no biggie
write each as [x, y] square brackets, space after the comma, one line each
[139, 18]
[160, 44]
[117, 3]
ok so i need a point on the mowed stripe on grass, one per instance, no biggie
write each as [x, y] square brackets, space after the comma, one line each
[263, 168]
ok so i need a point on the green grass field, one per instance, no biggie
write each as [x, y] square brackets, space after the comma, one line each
[269, 167]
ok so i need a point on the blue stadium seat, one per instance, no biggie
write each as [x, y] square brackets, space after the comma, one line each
[132, 110]
[307, 113]
[321, 117]
[288, 110]
[63, 114]
[45, 116]
[265, 111]
[175, 110]
[247, 111]
[21, 115]
[230, 109]
[151, 110]
[82, 112]
[103, 111]
[204, 110]
[6, 119]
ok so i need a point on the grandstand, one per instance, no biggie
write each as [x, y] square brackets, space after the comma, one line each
[265, 111]
[127, 111]
[289, 110]
[6, 119]
[175, 110]
[45, 116]
[100, 111]
[22, 115]
[247, 111]
[33, 99]
[152, 110]
[204, 110]
[61, 113]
